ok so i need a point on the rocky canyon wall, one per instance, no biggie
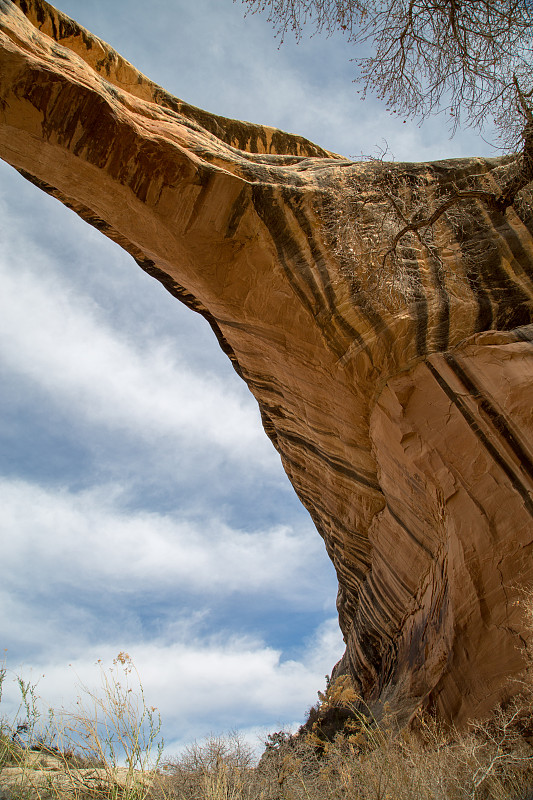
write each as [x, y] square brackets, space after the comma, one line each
[396, 387]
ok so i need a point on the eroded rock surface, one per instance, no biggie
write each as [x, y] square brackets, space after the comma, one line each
[403, 415]
[36, 776]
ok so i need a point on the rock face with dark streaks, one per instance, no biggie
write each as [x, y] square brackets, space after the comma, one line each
[397, 390]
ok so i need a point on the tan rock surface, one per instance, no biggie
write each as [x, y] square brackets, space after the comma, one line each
[42, 776]
[403, 418]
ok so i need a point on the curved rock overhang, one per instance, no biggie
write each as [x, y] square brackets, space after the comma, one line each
[400, 401]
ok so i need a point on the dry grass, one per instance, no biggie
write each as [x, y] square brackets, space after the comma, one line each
[366, 760]
[107, 748]
[80, 754]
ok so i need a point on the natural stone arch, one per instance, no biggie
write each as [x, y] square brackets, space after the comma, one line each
[402, 417]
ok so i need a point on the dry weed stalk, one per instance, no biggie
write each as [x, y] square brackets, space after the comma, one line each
[222, 768]
[87, 746]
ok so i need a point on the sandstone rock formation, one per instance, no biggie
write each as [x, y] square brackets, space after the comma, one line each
[41, 776]
[397, 390]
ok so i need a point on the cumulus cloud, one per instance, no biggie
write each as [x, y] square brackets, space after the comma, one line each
[81, 569]
[200, 687]
[57, 339]
[90, 538]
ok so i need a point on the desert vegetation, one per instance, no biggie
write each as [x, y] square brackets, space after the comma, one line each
[110, 748]
[107, 746]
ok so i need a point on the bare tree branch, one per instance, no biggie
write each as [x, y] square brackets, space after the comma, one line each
[423, 56]
[470, 58]
[414, 226]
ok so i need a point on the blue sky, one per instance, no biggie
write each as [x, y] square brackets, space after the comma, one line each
[143, 508]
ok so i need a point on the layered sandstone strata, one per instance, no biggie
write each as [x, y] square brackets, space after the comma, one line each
[397, 389]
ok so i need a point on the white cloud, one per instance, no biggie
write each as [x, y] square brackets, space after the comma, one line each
[59, 340]
[90, 539]
[200, 687]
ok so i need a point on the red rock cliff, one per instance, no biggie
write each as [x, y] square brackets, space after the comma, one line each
[398, 392]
